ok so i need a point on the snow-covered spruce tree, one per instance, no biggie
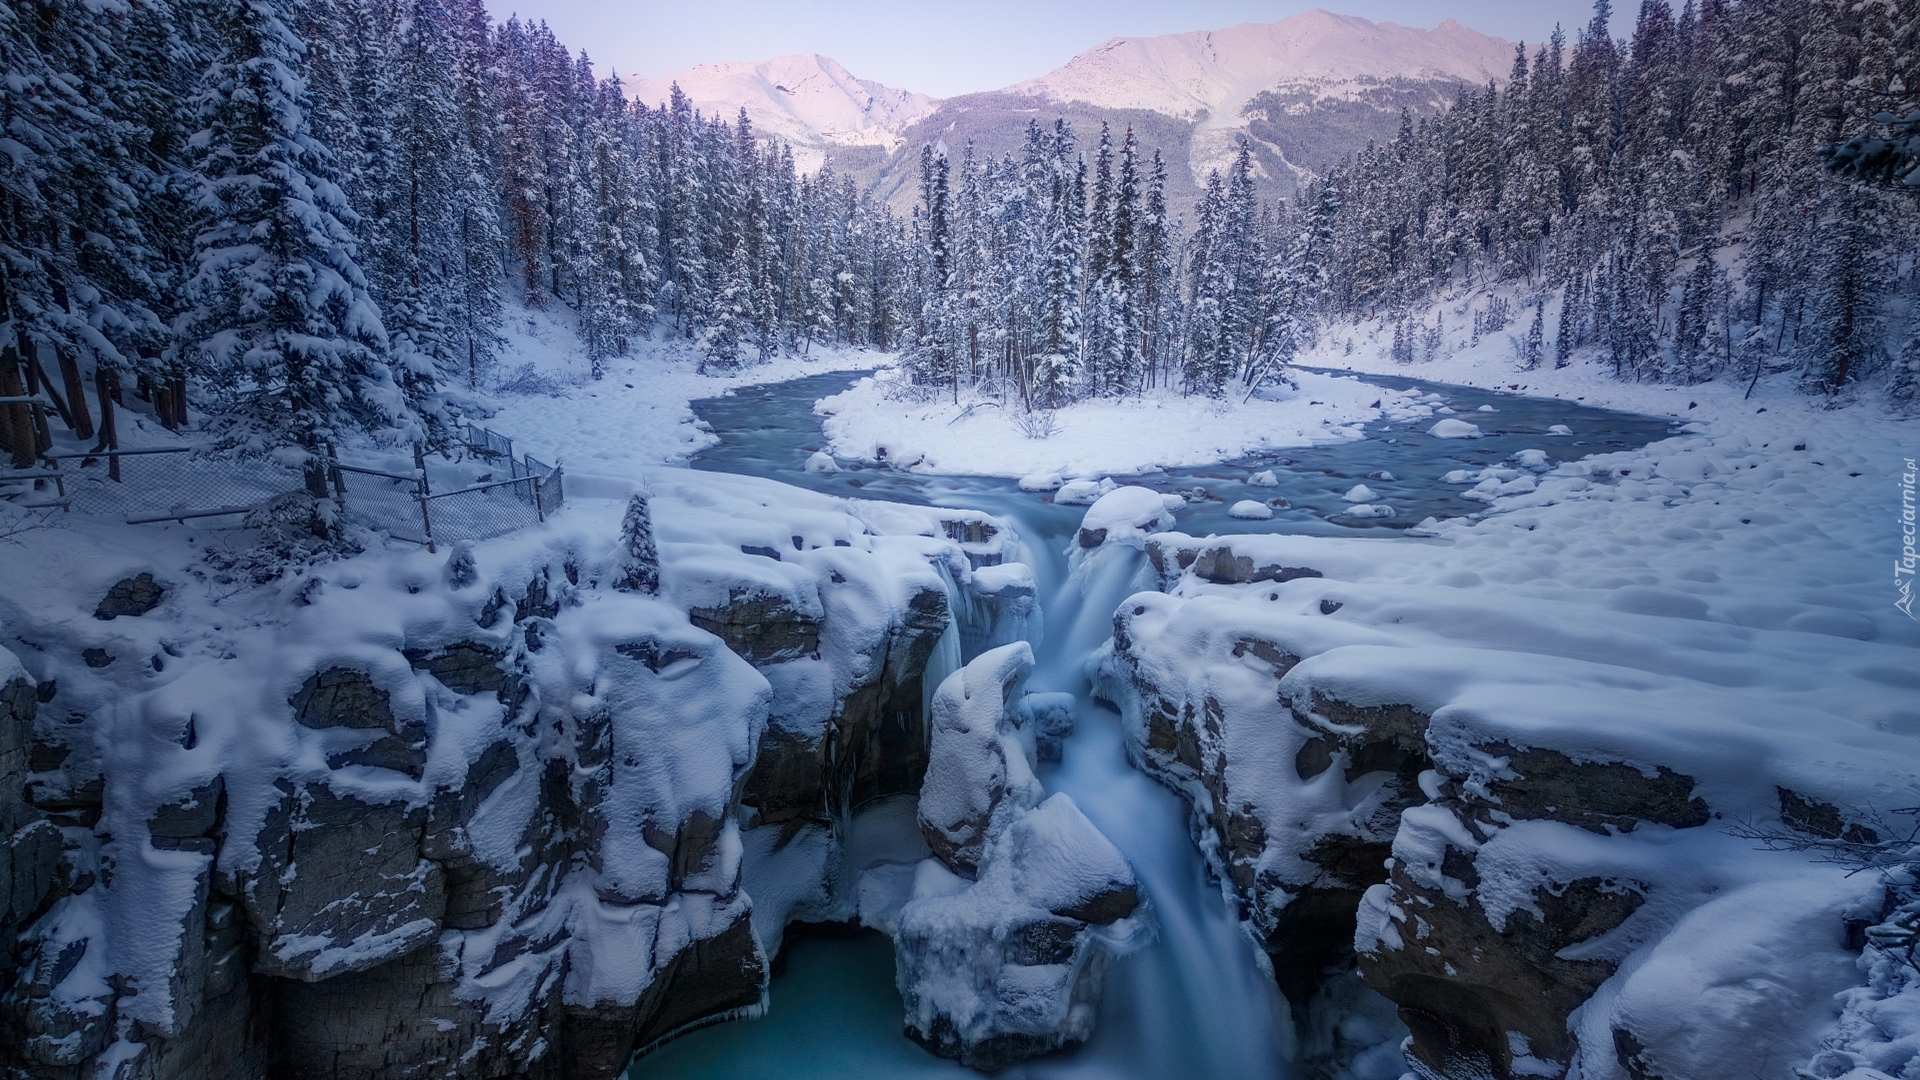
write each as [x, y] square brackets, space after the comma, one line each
[1157, 265]
[639, 569]
[1242, 313]
[279, 316]
[933, 359]
[1292, 282]
[474, 301]
[1533, 346]
[1847, 339]
[79, 83]
[1564, 337]
[1119, 282]
[416, 266]
[1208, 362]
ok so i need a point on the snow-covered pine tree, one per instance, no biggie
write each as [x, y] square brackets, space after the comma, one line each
[82, 276]
[280, 314]
[1846, 339]
[1208, 362]
[416, 269]
[1563, 338]
[474, 298]
[1157, 263]
[1532, 347]
[639, 557]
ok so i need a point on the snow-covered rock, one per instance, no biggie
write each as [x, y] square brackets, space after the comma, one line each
[1010, 966]
[1001, 940]
[1454, 429]
[465, 806]
[1124, 515]
[1263, 478]
[980, 772]
[1359, 493]
[1549, 764]
[1082, 492]
[1250, 510]
[1040, 481]
[822, 462]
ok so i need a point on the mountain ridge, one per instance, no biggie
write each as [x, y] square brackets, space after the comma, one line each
[1304, 92]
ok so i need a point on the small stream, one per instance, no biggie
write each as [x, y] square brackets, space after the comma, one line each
[1195, 1004]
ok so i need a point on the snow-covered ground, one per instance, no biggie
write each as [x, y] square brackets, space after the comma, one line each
[635, 416]
[875, 421]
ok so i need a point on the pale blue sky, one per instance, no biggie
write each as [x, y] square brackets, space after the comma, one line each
[952, 48]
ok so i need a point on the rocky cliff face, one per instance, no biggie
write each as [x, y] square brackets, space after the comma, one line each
[478, 815]
[1514, 818]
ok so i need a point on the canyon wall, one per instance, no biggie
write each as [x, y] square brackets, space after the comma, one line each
[495, 812]
[1549, 830]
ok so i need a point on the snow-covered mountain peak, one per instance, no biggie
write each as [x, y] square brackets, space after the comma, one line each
[806, 99]
[1218, 71]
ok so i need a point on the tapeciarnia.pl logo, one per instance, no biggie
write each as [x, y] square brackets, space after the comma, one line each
[1903, 567]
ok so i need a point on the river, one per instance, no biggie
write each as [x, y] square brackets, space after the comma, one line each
[1195, 1004]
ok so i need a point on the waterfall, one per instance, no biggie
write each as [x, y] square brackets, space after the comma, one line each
[1197, 1002]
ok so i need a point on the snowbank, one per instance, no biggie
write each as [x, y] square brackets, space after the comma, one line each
[636, 416]
[873, 421]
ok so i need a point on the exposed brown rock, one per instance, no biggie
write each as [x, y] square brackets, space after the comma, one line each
[132, 596]
[1821, 819]
[762, 628]
[1593, 794]
[1462, 985]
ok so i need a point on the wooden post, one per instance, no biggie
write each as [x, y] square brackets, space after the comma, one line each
[177, 388]
[42, 435]
[163, 403]
[107, 388]
[70, 373]
[426, 520]
[15, 421]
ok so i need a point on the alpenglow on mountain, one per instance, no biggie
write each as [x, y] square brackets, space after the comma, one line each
[1305, 91]
[808, 100]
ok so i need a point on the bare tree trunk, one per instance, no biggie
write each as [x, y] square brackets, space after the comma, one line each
[16, 424]
[78, 416]
[37, 375]
[106, 386]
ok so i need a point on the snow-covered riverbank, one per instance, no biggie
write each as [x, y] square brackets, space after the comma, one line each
[876, 422]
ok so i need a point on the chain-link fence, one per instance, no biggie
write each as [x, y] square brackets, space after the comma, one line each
[484, 510]
[169, 484]
[179, 484]
[484, 443]
[404, 506]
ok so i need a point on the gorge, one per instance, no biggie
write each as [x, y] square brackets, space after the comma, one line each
[507, 811]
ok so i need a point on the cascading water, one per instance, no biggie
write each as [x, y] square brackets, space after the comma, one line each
[1196, 1002]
